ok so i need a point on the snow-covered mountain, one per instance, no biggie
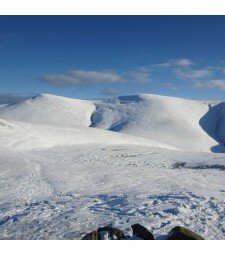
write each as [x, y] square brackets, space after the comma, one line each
[174, 122]
[184, 124]
[45, 121]
[69, 166]
[50, 110]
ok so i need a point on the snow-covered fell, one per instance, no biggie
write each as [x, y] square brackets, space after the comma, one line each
[177, 122]
[50, 110]
[69, 166]
[174, 122]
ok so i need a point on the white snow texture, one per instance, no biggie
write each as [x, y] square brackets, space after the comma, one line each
[69, 166]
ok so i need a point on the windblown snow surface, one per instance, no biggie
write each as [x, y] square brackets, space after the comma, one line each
[69, 166]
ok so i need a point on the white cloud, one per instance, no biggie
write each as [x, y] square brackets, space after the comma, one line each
[82, 77]
[144, 69]
[183, 62]
[180, 68]
[139, 77]
[87, 78]
[180, 62]
[170, 86]
[161, 65]
[193, 74]
[219, 84]
[222, 69]
[111, 92]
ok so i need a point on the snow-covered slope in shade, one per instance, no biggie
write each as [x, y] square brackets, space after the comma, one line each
[173, 121]
[50, 110]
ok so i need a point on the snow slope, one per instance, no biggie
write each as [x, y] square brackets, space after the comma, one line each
[173, 121]
[64, 170]
[178, 123]
[46, 120]
[50, 110]
[66, 191]
[26, 136]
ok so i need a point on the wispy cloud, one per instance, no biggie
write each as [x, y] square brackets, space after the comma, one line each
[170, 86]
[193, 74]
[82, 77]
[139, 76]
[180, 62]
[185, 69]
[219, 84]
[160, 65]
[110, 92]
[172, 72]
[90, 78]
[183, 62]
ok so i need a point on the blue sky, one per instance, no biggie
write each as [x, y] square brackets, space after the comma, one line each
[104, 56]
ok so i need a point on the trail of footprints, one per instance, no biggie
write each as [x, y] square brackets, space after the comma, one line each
[117, 159]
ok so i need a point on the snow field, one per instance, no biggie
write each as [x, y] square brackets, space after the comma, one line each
[69, 166]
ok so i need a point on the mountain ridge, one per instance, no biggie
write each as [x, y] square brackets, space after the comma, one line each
[179, 123]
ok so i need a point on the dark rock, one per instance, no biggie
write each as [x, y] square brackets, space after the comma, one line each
[142, 232]
[91, 236]
[112, 232]
[181, 233]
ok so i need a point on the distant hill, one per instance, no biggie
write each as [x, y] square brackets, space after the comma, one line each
[177, 123]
